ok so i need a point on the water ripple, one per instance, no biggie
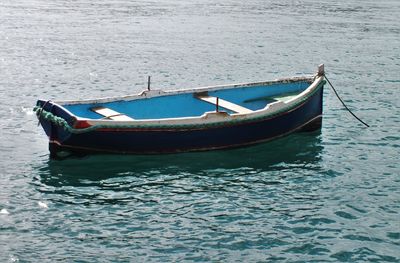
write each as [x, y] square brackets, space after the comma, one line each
[321, 197]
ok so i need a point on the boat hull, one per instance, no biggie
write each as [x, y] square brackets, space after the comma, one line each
[304, 117]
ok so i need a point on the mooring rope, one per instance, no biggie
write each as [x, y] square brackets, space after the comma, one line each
[344, 105]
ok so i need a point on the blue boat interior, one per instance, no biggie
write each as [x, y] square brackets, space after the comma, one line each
[189, 105]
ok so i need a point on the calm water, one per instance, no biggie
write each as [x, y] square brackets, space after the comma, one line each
[325, 197]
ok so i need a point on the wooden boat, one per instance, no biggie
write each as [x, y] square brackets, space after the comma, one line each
[209, 118]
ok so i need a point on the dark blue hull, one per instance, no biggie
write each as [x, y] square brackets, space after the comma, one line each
[306, 116]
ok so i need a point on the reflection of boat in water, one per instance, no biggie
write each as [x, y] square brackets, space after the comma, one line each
[156, 122]
[299, 149]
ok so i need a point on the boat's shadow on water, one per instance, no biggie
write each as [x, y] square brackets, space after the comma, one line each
[297, 149]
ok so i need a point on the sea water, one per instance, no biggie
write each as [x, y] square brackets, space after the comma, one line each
[326, 196]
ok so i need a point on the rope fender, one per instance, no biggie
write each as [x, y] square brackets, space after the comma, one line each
[61, 122]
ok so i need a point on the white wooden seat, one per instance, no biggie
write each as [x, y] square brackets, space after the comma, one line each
[111, 114]
[224, 104]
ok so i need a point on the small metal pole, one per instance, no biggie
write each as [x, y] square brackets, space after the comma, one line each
[216, 105]
[148, 83]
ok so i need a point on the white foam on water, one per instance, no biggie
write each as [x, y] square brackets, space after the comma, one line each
[43, 205]
[27, 111]
[13, 259]
[4, 212]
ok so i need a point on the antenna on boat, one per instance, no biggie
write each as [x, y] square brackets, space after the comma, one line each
[148, 83]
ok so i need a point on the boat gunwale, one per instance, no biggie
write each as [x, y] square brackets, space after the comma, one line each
[208, 118]
[159, 93]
